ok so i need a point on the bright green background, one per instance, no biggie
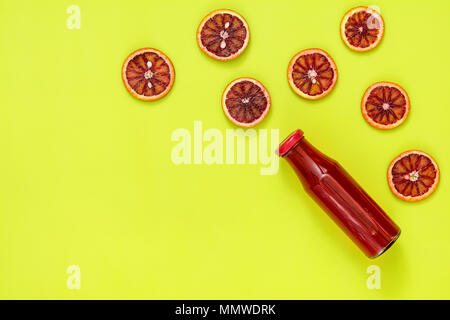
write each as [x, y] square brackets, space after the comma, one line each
[87, 179]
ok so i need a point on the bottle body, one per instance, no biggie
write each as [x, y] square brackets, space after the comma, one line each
[342, 198]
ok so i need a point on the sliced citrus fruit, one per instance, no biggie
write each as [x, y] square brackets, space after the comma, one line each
[245, 102]
[413, 175]
[148, 74]
[385, 105]
[362, 28]
[223, 34]
[312, 74]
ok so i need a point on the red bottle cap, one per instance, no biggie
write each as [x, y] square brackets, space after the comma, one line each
[289, 142]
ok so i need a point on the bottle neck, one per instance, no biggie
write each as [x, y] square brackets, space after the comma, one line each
[308, 162]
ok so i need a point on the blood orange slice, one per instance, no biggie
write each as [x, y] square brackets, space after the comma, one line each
[223, 34]
[362, 29]
[413, 175]
[245, 102]
[148, 74]
[385, 105]
[312, 74]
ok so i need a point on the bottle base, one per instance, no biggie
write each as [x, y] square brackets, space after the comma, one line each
[388, 246]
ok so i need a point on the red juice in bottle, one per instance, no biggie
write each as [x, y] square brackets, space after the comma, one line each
[340, 196]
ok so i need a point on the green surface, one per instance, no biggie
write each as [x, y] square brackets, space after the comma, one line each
[87, 178]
